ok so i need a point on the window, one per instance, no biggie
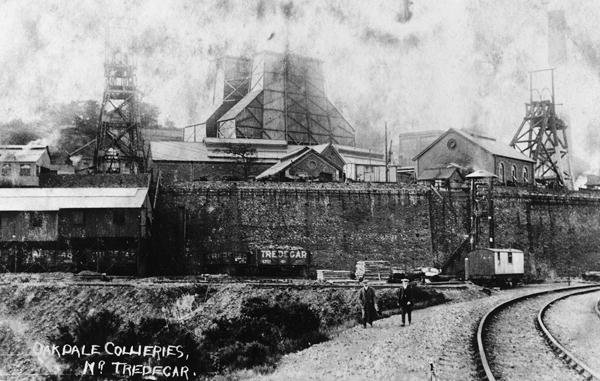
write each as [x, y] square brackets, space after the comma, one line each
[501, 172]
[35, 220]
[525, 175]
[5, 169]
[25, 170]
[513, 173]
[498, 254]
[118, 217]
[509, 257]
[451, 144]
[78, 217]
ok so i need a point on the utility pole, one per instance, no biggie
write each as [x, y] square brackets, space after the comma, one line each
[386, 155]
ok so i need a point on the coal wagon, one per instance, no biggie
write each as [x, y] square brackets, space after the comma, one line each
[271, 260]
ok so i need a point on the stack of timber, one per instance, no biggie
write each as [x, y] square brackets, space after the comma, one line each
[373, 270]
[333, 275]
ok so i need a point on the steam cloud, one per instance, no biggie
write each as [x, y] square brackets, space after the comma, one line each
[453, 64]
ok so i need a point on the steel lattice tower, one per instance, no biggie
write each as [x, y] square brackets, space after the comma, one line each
[119, 146]
[542, 136]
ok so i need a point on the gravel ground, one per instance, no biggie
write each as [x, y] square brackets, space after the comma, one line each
[442, 335]
[518, 349]
[575, 325]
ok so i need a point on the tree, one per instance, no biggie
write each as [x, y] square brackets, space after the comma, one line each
[21, 137]
[244, 154]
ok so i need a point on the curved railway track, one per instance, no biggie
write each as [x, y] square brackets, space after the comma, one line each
[570, 358]
[517, 350]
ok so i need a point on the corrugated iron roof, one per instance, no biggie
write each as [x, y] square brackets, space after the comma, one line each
[437, 174]
[178, 151]
[52, 199]
[266, 150]
[18, 153]
[200, 152]
[480, 174]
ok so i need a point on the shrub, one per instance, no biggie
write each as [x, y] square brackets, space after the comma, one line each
[388, 299]
[264, 331]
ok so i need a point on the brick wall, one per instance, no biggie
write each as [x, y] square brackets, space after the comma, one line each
[338, 224]
[559, 233]
[49, 180]
[173, 172]
[343, 223]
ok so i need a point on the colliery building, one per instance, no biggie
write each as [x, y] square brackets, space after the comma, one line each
[457, 151]
[274, 96]
[265, 111]
[74, 228]
[226, 159]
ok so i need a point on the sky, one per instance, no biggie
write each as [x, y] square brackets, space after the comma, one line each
[461, 64]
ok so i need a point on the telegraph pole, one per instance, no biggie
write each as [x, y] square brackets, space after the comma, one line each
[386, 155]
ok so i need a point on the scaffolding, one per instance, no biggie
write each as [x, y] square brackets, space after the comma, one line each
[286, 101]
[542, 136]
[119, 146]
[231, 76]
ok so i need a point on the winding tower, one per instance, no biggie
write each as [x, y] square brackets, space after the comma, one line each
[119, 146]
[542, 136]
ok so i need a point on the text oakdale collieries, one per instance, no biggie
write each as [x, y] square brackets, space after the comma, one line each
[106, 359]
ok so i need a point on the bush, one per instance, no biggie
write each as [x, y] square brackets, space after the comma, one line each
[264, 331]
[388, 299]
[242, 355]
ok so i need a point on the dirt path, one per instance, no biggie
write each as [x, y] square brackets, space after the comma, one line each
[441, 335]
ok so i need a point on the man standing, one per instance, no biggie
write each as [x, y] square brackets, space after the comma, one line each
[368, 302]
[406, 299]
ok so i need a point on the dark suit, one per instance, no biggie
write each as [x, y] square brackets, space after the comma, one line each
[406, 300]
[368, 302]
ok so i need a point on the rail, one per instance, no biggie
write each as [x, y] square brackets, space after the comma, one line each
[258, 284]
[563, 352]
[487, 317]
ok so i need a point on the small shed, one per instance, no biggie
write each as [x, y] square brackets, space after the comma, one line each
[21, 165]
[444, 177]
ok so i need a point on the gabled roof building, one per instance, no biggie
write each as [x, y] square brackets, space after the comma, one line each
[21, 165]
[227, 159]
[472, 151]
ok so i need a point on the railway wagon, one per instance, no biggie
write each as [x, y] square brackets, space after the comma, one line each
[278, 261]
[495, 266]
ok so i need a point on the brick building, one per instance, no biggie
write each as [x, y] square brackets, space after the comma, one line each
[227, 159]
[471, 151]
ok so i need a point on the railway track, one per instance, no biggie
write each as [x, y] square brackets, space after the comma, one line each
[520, 350]
[116, 281]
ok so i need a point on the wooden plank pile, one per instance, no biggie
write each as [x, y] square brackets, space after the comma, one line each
[333, 275]
[373, 270]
